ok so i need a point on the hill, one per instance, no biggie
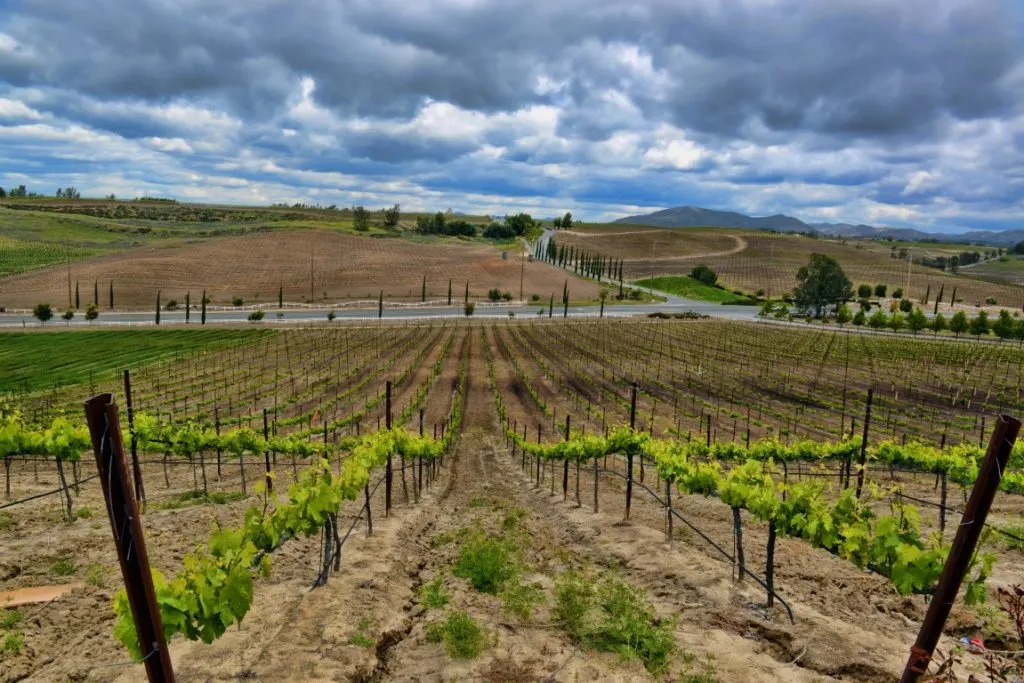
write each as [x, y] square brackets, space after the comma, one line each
[696, 217]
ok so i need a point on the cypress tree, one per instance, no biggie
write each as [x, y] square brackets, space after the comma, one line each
[565, 305]
[927, 293]
[449, 292]
[280, 296]
[380, 305]
[465, 299]
[565, 291]
[952, 299]
[96, 292]
[158, 308]
[111, 295]
[423, 292]
[202, 319]
[188, 306]
[78, 303]
[551, 306]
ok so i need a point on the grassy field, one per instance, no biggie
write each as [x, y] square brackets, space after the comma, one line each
[686, 286]
[32, 361]
[1009, 268]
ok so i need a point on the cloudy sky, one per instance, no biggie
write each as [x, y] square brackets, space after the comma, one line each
[902, 112]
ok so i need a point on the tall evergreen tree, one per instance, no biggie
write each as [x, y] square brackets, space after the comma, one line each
[78, 303]
[188, 306]
[111, 295]
[449, 292]
[551, 306]
[96, 292]
[202, 310]
[465, 298]
[423, 291]
[927, 293]
[380, 304]
[938, 299]
[158, 308]
[280, 296]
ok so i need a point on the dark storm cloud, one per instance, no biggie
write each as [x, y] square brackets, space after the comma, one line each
[216, 80]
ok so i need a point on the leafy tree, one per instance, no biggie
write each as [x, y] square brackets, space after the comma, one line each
[68, 315]
[43, 312]
[939, 323]
[1017, 248]
[3, 193]
[494, 294]
[865, 304]
[18, 191]
[880, 290]
[360, 218]
[499, 231]
[897, 322]
[1018, 330]
[897, 293]
[556, 223]
[523, 222]
[92, 311]
[1003, 326]
[916, 320]
[391, 216]
[468, 308]
[843, 315]
[954, 263]
[878, 320]
[567, 220]
[859, 318]
[959, 324]
[823, 284]
[980, 324]
[704, 274]
[906, 305]
[864, 291]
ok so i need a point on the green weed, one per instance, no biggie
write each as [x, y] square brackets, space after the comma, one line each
[7, 521]
[13, 642]
[65, 566]
[521, 599]
[461, 636]
[84, 512]
[94, 575]
[693, 672]
[9, 618]
[486, 562]
[433, 595]
[360, 637]
[611, 615]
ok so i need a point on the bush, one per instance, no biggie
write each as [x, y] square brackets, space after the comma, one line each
[486, 562]
[462, 638]
[702, 273]
[468, 308]
[171, 305]
[238, 301]
[991, 300]
[43, 312]
[906, 305]
[897, 293]
[331, 315]
[494, 294]
[499, 231]
[863, 291]
[433, 595]
[256, 316]
[535, 297]
[506, 296]
[880, 290]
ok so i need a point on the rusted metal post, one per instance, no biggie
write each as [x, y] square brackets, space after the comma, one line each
[126, 525]
[388, 472]
[863, 446]
[629, 456]
[140, 489]
[964, 543]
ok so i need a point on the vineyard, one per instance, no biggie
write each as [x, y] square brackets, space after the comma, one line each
[752, 261]
[447, 500]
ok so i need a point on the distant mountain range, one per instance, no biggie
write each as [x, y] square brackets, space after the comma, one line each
[694, 217]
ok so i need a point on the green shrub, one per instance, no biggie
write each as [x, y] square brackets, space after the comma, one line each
[461, 636]
[433, 595]
[520, 599]
[13, 642]
[486, 562]
[360, 637]
[65, 566]
[256, 316]
[9, 618]
[610, 615]
[702, 273]
[7, 521]
[238, 301]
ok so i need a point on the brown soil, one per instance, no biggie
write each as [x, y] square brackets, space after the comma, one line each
[254, 267]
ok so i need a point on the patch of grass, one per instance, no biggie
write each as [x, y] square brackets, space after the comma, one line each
[13, 642]
[360, 637]
[433, 595]
[486, 562]
[694, 672]
[686, 286]
[479, 503]
[610, 615]
[192, 498]
[521, 599]
[29, 360]
[94, 575]
[461, 636]
[512, 518]
[9, 618]
[65, 566]
[84, 512]
[7, 521]
[1015, 529]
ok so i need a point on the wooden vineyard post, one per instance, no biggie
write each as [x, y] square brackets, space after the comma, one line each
[388, 471]
[863, 447]
[596, 473]
[538, 456]
[140, 489]
[565, 466]
[417, 485]
[216, 427]
[942, 506]
[964, 543]
[769, 570]
[126, 525]
[668, 510]
[629, 455]
[266, 453]
[524, 446]
[737, 530]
